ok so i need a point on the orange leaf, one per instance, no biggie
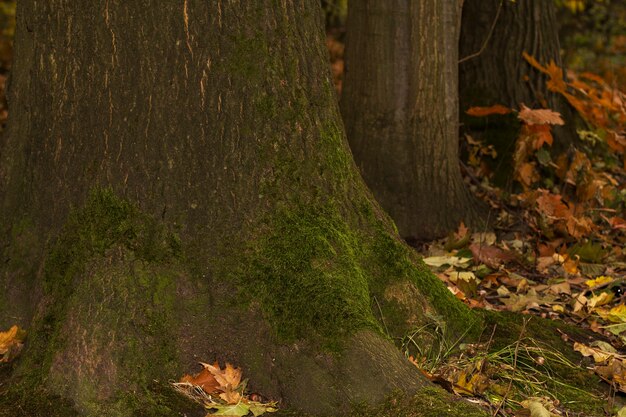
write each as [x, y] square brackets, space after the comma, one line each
[204, 379]
[533, 62]
[527, 174]
[227, 378]
[541, 134]
[11, 343]
[487, 111]
[551, 205]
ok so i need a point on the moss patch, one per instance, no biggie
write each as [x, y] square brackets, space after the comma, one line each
[318, 277]
[308, 277]
[429, 402]
[108, 313]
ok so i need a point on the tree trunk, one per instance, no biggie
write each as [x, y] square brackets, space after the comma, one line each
[176, 187]
[494, 34]
[400, 108]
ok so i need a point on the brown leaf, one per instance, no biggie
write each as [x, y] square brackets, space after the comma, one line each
[540, 116]
[204, 379]
[491, 256]
[551, 205]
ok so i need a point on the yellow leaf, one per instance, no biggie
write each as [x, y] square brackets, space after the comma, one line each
[617, 314]
[599, 355]
[598, 281]
[11, 343]
[600, 300]
[558, 308]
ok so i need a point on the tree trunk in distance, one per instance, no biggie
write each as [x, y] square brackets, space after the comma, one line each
[500, 75]
[399, 104]
[176, 187]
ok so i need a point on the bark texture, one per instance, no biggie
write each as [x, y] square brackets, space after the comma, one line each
[497, 73]
[176, 187]
[400, 108]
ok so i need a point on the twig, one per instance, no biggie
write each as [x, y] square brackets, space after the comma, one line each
[482, 48]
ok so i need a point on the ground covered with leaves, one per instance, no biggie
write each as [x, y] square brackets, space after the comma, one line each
[555, 248]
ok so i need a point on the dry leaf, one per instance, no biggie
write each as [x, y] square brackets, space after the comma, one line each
[204, 379]
[227, 378]
[540, 116]
[491, 256]
[486, 111]
[599, 355]
[11, 343]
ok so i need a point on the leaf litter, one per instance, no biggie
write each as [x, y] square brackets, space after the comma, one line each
[222, 392]
[558, 250]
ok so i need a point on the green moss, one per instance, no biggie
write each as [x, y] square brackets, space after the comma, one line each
[429, 402]
[396, 262]
[109, 318]
[308, 277]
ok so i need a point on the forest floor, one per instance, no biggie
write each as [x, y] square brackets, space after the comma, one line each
[555, 246]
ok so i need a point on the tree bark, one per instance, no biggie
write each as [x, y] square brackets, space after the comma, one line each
[400, 108]
[176, 187]
[494, 34]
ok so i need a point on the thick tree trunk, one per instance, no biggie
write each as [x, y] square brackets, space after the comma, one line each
[399, 105]
[175, 187]
[492, 70]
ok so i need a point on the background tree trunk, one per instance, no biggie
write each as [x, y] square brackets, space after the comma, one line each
[176, 187]
[499, 74]
[400, 108]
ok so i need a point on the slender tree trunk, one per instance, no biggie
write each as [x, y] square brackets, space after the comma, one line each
[494, 34]
[399, 105]
[176, 187]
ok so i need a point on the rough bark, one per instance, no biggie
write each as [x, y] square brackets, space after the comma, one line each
[494, 34]
[176, 187]
[400, 108]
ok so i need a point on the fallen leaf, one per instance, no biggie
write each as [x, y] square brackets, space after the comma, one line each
[491, 256]
[614, 372]
[596, 282]
[536, 408]
[238, 410]
[599, 300]
[617, 314]
[599, 356]
[228, 378]
[437, 261]
[562, 288]
[540, 116]
[204, 379]
[486, 111]
[11, 343]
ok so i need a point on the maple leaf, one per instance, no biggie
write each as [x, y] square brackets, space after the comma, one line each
[11, 343]
[228, 378]
[551, 205]
[540, 116]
